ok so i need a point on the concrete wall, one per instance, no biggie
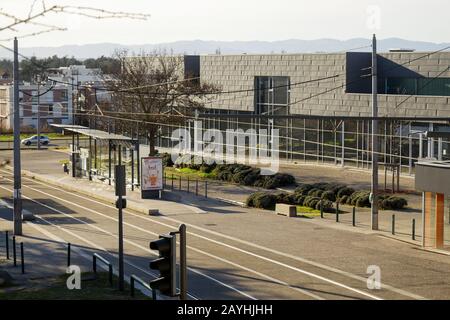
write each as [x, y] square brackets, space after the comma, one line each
[237, 72]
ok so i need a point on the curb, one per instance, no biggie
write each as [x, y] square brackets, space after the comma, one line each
[131, 205]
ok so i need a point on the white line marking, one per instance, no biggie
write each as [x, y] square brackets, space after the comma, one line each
[316, 264]
[229, 246]
[125, 240]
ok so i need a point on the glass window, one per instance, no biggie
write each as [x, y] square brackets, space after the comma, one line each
[418, 86]
[272, 93]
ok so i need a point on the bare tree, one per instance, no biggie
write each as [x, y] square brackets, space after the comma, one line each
[155, 88]
[39, 11]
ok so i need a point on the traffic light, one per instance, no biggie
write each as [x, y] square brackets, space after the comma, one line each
[165, 264]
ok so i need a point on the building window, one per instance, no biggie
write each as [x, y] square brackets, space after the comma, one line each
[272, 95]
[418, 86]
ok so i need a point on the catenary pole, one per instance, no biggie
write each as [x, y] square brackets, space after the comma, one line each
[17, 201]
[375, 146]
[38, 112]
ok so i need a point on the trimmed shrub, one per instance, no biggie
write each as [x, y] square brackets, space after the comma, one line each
[343, 200]
[262, 200]
[206, 168]
[299, 199]
[251, 177]
[166, 159]
[321, 185]
[345, 191]
[303, 189]
[393, 203]
[274, 181]
[326, 204]
[328, 195]
[311, 201]
[284, 198]
[239, 177]
[361, 197]
[315, 192]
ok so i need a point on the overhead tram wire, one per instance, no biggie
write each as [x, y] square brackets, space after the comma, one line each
[43, 68]
[362, 78]
[191, 94]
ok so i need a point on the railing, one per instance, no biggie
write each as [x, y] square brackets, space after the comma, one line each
[134, 279]
[96, 257]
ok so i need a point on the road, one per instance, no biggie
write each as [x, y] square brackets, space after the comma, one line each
[239, 253]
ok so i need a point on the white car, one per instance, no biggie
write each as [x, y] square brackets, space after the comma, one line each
[34, 140]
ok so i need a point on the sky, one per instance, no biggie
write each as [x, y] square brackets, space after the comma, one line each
[230, 20]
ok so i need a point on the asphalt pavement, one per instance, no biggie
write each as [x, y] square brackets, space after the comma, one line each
[233, 252]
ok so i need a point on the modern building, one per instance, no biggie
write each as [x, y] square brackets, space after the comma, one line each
[410, 84]
[54, 101]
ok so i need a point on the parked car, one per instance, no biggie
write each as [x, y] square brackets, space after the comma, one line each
[34, 140]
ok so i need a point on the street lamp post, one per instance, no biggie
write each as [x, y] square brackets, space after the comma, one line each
[38, 79]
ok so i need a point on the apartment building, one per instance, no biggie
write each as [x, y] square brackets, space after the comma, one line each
[54, 102]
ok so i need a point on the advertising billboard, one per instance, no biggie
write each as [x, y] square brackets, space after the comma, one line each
[151, 174]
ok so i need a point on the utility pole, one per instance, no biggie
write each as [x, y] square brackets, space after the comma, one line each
[38, 112]
[375, 146]
[120, 185]
[17, 201]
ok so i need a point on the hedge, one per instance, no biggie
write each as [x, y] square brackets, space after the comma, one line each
[345, 195]
[268, 200]
[236, 173]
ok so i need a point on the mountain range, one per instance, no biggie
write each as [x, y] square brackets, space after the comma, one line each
[229, 47]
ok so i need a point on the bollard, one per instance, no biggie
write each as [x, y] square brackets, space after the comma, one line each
[165, 180]
[22, 258]
[7, 244]
[68, 254]
[413, 233]
[94, 264]
[337, 211]
[206, 188]
[321, 210]
[172, 181]
[188, 184]
[196, 187]
[14, 251]
[110, 271]
[179, 185]
[354, 216]
[393, 224]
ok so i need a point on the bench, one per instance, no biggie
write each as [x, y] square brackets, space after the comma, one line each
[286, 210]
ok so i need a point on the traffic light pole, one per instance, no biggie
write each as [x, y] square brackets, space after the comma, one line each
[183, 263]
[120, 181]
[17, 197]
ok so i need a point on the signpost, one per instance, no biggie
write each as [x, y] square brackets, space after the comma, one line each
[151, 177]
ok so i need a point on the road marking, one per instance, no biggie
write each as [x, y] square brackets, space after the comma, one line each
[300, 259]
[221, 259]
[74, 247]
[125, 240]
[155, 234]
[229, 262]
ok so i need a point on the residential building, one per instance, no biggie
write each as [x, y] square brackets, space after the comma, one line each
[55, 106]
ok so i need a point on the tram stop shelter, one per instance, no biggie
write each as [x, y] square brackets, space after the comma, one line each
[94, 153]
[432, 179]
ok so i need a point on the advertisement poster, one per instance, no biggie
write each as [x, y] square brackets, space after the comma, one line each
[152, 174]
